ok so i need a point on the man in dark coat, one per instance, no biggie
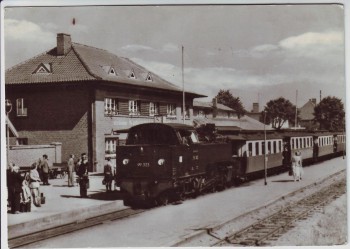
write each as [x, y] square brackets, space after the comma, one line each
[83, 166]
[16, 188]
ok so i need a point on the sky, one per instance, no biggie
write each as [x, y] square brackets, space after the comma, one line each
[258, 52]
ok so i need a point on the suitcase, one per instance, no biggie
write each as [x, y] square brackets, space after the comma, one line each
[43, 198]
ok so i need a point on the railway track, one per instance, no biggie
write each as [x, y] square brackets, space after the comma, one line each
[71, 227]
[272, 227]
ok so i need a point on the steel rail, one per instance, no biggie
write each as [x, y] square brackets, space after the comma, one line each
[260, 232]
[71, 227]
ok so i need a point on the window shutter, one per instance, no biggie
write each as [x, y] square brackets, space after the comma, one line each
[163, 109]
[124, 107]
[144, 108]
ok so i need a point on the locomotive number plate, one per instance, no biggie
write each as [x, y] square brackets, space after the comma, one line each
[146, 165]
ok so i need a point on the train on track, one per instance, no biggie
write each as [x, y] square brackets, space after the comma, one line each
[161, 163]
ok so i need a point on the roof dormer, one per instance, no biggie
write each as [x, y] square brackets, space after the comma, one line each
[43, 68]
[132, 74]
[149, 77]
[110, 70]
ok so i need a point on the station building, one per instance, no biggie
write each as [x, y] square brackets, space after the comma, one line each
[80, 96]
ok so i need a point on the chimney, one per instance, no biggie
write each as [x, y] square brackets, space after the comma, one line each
[64, 44]
[313, 101]
[215, 107]
[255, 107]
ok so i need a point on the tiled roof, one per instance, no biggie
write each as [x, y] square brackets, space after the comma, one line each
[307, 111]
[210, 105]
[64, 69]
[85, 63]
[244, 123]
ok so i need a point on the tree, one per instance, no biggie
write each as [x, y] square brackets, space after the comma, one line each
[330, 114]
[278, 111]
[226, 98]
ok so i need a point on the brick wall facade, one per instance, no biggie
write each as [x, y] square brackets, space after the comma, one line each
[54, 114]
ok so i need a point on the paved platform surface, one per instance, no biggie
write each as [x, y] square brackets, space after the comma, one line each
[64, 205]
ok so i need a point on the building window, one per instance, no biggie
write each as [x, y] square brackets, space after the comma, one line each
[111, 145]
[153, 109]
[134, 107]
[22, 141]
[171, 110]
[111, 106]
[21, 110]
[187, 111]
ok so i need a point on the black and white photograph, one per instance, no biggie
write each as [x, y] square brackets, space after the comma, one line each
[166, 124]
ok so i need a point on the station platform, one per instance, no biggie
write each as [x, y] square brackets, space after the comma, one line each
[64, 205]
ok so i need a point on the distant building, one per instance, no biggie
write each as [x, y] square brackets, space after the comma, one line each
[306, 114]
[224, 118]
[81, 96]
[255, 113]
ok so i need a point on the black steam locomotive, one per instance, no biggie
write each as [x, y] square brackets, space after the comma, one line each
[167, 162]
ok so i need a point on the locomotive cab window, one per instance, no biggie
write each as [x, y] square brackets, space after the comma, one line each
[188, 137]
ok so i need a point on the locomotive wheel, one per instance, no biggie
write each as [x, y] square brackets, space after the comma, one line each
[163, 199]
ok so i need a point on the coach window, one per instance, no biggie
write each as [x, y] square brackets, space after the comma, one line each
[250, 149]
[269, 147]
[257, 151]
[275, 147]
[301, 143]
[296, 143]
[263, 148]
[292, 143]
[280, 146]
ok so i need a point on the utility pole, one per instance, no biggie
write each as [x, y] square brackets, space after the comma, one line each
[183, 86]
[296, 110]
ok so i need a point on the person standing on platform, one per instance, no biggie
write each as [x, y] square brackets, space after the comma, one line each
[83, 166]
[9, 182]
[45, 169]
[70, 171]
[39, 168]
[17, 180]
[108, 172]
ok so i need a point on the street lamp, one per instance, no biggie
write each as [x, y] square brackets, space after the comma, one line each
[8, 107]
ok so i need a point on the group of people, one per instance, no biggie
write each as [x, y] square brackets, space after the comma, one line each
[20, 185]
[43, 169]
[81, 168]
